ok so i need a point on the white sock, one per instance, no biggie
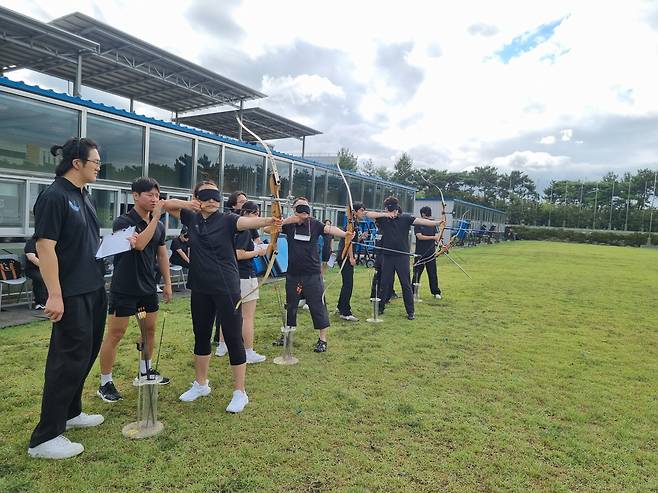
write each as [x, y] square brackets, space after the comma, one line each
[106, 378]
[142, 365]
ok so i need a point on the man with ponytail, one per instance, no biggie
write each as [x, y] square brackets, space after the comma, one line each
[68, 234]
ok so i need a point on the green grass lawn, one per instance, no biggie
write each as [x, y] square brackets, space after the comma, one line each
[540, 374]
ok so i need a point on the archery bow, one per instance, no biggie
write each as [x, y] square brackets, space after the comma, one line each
[275, 189]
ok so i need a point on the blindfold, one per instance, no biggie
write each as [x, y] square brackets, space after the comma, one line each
[301, 208]
[207, 194]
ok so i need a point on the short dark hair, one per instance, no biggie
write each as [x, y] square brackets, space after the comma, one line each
[204, 183]
[74, 148]
[391, 201]
[358, 206]
[426, 210]
[145, 184]
[249, 206]
[297, 199]
[233, 198]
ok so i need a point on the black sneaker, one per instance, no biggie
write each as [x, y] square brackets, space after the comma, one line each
[279, 341]
[152, 375]
[109, 392]
[320, 346]
[410, 316]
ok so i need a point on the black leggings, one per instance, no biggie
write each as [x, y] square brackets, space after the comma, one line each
[205, 308]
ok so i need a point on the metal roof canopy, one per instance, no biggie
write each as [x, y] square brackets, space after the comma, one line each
[124, 65]
[26, 42]
[132, 68]
[267, 125]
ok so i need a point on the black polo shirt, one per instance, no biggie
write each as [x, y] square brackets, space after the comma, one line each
[303, 256]
[213, 264]
[395, 233]
[178, 244]
[64, 213]
[244, 241]
[134, 274]
[424, 246]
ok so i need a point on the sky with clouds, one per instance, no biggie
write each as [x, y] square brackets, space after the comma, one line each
[558, 89]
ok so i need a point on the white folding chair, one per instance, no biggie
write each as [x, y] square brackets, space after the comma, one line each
[21, 281]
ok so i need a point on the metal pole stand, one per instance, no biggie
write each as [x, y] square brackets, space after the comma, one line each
[147, 424]
[287, 358]
[417, 293]
[375, 311]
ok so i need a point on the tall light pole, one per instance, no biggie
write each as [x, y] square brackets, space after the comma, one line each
[550, 208]
[596, 196]
[612, 195]
[566, 204]
[653, 196]
[580, 204]
[628, 203]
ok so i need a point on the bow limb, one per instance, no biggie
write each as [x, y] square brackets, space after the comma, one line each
[274, 182]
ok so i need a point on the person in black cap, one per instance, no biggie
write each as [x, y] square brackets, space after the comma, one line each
[68, 235]
[214, 280]
[426, 241]
[133, 287]
[395, 251]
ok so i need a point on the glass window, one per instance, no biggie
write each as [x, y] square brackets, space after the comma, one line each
[105, 202]
[35, 190]
[335, 189]
[29, 128]
[208, 162]
[174, 223]
[170, 159]
[356, 188]
[12, 204]
[379, 196]
[320, 179]
[302, 183]
[121, 148]
[369, 195]
[284, 175]
[243, 171]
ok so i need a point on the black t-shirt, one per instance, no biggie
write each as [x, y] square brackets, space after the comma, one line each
[244, 241]
[64, 213]
[30, 247]
[178, 244]
[326, 244]
[395, 233]
[303, 255]
[424, 246]
[213, 264]
[134, 274]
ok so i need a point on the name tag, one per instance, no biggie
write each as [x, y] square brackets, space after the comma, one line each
[302, 237]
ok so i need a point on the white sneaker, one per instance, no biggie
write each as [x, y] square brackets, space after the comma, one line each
[221, 350]
[158, 289]
[306, 307]
[84, 420]
[239, 401]
[349, 318]
[195, 392]
[254, 357]
[301, 303]
[437, 296]
[58, 448]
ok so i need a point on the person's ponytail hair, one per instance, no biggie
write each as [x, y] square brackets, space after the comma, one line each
[72, 149]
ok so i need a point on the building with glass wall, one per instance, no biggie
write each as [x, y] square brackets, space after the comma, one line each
[33, 119]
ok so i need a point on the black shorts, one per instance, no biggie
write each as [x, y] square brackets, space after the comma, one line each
[126, 305]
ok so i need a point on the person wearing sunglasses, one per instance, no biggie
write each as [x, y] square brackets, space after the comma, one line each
[304, 274]
[214, 281]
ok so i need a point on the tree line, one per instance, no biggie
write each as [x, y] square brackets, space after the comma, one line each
[617, 202]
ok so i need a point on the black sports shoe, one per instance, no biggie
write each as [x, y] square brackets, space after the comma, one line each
[279, 341]
[109, 392]
[320, 346]
[152, 375]
[410, 316]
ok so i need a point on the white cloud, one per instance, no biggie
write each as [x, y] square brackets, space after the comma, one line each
[567, 133]
[301, 89]
[549, 139]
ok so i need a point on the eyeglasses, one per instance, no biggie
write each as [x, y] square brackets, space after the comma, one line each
[97, 162]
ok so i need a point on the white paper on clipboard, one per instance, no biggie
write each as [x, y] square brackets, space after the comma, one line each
[116, 242]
